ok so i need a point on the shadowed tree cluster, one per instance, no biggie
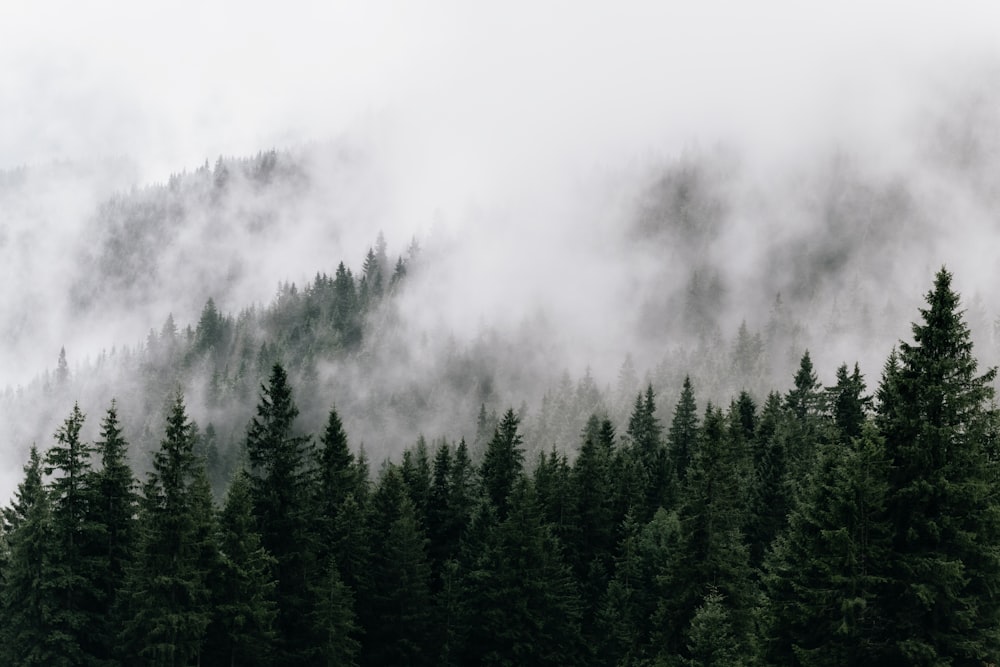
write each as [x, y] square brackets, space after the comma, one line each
[825, 527]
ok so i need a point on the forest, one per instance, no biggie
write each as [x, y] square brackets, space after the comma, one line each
[818, 525]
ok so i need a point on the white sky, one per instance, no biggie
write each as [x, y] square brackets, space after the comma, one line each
[464, 90]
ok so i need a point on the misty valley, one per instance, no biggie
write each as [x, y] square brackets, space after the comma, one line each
[345, 475]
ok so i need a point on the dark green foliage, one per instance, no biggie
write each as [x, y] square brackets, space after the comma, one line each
[823, 576]
[523, 605]
[683, 432]
[167, 605]
[711, 554]
[935, 415]
[848, 403]
[337, 479]
[591, 547]
[711, 640]
[333, 621]
[76, 616]
[629, 608]
[280, 489]
[502, 464]
[398, 618]
[27, 597]
[244, 607]
[416, 472]
[810, 532]
[644, 432]
[770, 495]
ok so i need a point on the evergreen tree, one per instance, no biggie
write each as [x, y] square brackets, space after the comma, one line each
[27, 598]
[711, 554]
[167, 605]
[646, 445]
[113, 512]
[397, 627]
[592, 549]
[770, 496]
[280, 489]
[711, 641]
[71, 578]
[333, 621]
[244, 606]
[824, 575]
[336, 477]
[629, 607]
[502, 464]
[683, 434]
[522, 602]
[936, 416]
[848, 403]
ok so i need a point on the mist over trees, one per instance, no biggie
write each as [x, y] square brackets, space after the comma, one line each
[817, 525]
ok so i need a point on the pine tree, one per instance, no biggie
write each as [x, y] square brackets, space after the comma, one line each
[646, 445]
[683, 432]
[522, 602]
[770, 496]
[114, 509]
[502, 464]
[935, 416]
[333, 621]
[848, 403]
[167, 606]
[592, 549]
[823, 576]
[711, 553]
[629, 608]
[711, 640]
[72, 576]
[397, 626]
[336, 477]
[244, 607]
[281, 492]
[27, 598]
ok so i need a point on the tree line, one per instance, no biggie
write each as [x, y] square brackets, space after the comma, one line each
[823, 526]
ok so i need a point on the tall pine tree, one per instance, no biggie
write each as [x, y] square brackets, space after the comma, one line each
[935, 415]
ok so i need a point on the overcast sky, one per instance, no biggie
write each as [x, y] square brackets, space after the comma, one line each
[463, 90]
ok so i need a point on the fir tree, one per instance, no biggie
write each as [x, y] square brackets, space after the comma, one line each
[935, 415]
[167, 607]
[502, 464]
[244, 607]
[683, 432]
[76, 616]
[27, 598]
[711, 553]
[824, 575]
[280, 489]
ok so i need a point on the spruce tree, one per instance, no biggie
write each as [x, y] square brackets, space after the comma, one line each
[167, 604]
[823, 577]
[281, 489]
[502, 464]
[935, 415]
[336, 480]
[711, 553]
[523, 604]
[72, 579]
[646, 445]
[683, 433]
[27, 598]
[244, 607]
[114, 509]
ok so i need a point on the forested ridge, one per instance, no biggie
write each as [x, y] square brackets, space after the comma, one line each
[815, 526]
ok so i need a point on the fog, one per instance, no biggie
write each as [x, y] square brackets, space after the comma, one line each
[834, 155]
